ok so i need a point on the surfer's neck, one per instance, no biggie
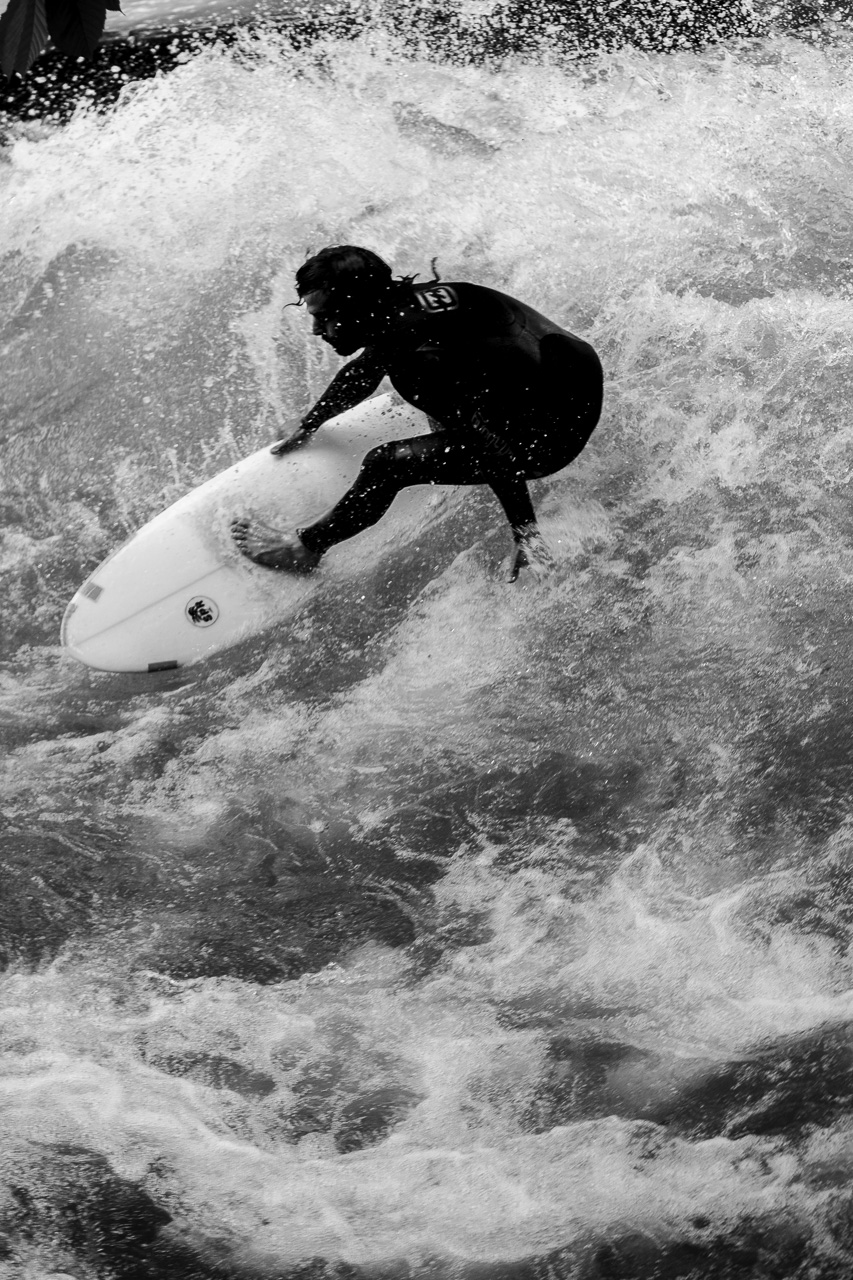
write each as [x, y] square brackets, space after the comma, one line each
[394, 313]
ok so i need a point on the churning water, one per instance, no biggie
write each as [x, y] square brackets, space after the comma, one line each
[462, 929]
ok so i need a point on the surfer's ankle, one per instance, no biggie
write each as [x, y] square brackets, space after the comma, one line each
[308, 539]
[305, 558]
[531, 552]
[526, 533]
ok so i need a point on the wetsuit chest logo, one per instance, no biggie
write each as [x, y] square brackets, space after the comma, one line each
[439, 298]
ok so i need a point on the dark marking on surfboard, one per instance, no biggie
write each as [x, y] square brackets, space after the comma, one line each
[91, 590]
[202, 611]
[163, 666]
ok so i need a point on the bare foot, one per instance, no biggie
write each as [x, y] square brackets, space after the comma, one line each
[271, 548]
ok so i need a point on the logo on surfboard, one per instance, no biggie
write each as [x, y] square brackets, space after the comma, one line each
[201, 611]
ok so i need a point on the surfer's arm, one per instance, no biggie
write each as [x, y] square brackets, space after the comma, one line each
[352, 384]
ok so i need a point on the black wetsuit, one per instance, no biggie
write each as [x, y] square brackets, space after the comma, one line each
[512, 396]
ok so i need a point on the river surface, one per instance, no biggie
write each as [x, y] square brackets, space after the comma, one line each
[459, 929]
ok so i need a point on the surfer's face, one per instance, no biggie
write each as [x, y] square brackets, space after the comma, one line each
[344, 330]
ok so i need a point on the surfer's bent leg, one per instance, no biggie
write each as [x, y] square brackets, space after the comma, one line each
[551, 433]
[572, 394]
[385, 471]
[554, 434]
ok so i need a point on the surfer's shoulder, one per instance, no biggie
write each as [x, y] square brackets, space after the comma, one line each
[439, 298]
[476, 302]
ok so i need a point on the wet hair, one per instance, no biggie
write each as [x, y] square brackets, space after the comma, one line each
[345, 270]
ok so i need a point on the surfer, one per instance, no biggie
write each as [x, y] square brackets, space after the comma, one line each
[510, 395]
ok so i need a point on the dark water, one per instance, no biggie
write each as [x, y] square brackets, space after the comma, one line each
[460, 930]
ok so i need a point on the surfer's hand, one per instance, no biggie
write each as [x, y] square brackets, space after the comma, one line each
[295, 441]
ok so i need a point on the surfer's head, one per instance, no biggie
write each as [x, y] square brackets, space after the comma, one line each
[344, 289]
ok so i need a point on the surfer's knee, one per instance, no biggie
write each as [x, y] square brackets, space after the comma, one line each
[383, 457]
[394, 453]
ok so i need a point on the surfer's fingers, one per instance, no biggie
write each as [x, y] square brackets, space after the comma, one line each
[286, 446]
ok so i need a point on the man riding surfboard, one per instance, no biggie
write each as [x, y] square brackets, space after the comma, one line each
[511, 397]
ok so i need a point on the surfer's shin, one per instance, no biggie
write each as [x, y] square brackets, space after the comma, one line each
[376, 486]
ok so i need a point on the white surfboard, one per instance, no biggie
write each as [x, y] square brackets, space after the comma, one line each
[179, 590]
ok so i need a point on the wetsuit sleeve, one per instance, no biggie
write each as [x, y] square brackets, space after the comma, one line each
[352, 384]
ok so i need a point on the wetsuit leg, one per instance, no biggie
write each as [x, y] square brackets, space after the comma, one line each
[572, 392]
[433, 459]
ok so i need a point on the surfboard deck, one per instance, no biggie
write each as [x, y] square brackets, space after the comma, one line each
[179, 590]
